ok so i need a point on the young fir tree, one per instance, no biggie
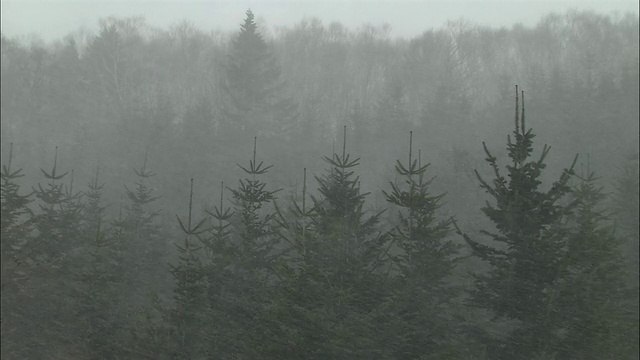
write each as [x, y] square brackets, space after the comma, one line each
[57, 223]
[225, 334]
[143, 246]
[15, 231]
[627, 216]
[254, 254]
[255, 93]
[298, 269]
[528, 243]
[345, 273]
[13, 225]
[627, 206]
[140, 225]
[190, 314]
[56, 250]
[99, 276]
[421, 320]
[590, 304]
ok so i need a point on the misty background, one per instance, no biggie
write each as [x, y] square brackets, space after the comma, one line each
[56, 18]
[114, 110]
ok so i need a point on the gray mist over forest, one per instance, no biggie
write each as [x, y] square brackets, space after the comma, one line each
[322, 180]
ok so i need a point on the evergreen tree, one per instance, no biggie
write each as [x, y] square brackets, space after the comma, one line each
[14, 209]
[254, 252]
[15, 232]
[256, 102]
[14, 225]
[190, 315]
[225, 333]
[627, 215]
[420, 306]
[142, 243]
[589, 305]
[344, 278]
[528, 243]
[99, 274]
[53, 267]
[298, 270]
[627, 206]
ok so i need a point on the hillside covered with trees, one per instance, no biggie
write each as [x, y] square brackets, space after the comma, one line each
[322, 193]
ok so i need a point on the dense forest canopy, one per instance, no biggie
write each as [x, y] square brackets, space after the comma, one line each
[340, 193]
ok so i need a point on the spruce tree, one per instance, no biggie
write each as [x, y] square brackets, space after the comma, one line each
[254, 254]
[54, 264]
[298, 269]
[590, 305]
[142, 242]
[15, 235]
[421, 302]
[627, 206]
[13, 225]
[225, 334]
[99, 275]
[190, 314]
[527, 243]
[345, 268]
[256, 101]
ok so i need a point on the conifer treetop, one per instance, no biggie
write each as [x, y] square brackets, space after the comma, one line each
[249, 25]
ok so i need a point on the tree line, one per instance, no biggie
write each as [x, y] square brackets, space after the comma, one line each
[320, 276]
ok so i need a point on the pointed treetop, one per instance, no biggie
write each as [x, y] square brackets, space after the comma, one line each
[249, 25]
[517, 111]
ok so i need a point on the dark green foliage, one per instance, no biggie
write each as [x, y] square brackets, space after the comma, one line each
[190, 314]
[14, 208]
[627, 208]
[589, 312]
[336, 282]
[59, 211]
[254, 222]
[100, 275]
[225, 334]
[15, 229]
[528, 243]
[50, 268]
[140, 231]
[240, 272]
[420, 307]
[144, 257]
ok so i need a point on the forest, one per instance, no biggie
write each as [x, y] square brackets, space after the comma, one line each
[321, 192]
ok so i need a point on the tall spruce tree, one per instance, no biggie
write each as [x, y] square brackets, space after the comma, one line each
[528, 242]
[421, 303]
[256, 102]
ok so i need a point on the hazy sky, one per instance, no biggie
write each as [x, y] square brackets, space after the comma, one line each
[51, 19]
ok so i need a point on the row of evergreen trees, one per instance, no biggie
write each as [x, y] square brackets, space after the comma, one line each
[319, 276]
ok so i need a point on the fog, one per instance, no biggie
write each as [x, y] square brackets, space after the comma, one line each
[56, 18]
[320, 180]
